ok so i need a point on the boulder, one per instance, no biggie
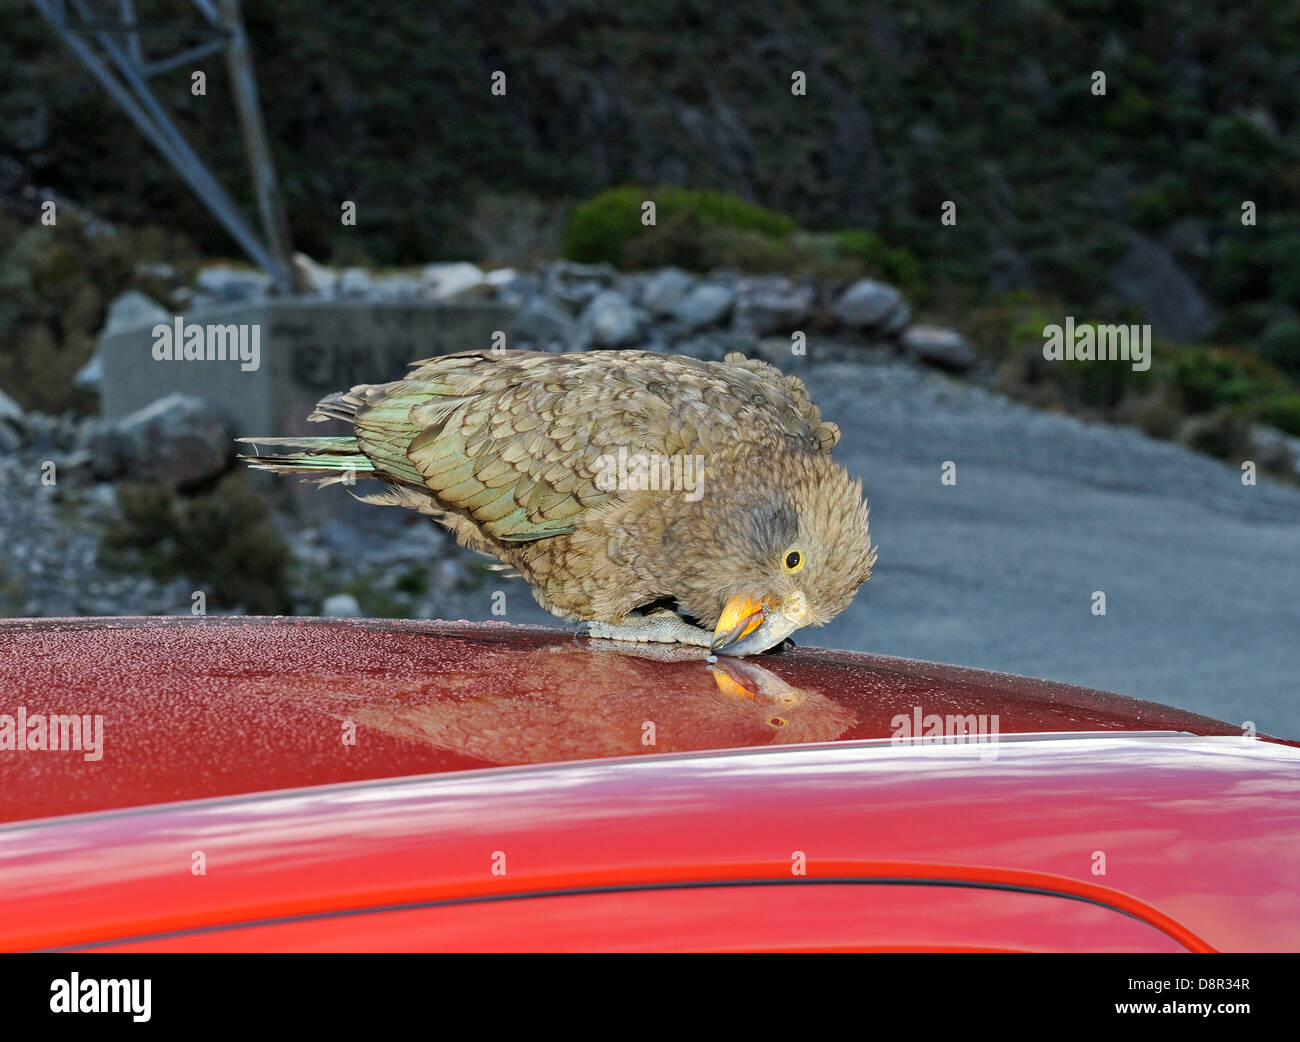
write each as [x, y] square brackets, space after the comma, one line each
[775, 306]
[705, 305]
[397, 287]
[939, 347]
[664, 289]
[1148, 276]
[90, 376]
[341, 606]
[869, 305]
[355, 282]
[778, 351]
[540, 323]
[577, 285]
[316, 278]
[610, 320]
[454, 279]
[177, 440]
[232, 285]
[11, 412]
[132, 309]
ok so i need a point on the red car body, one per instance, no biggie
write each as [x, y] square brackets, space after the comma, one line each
[308, 784]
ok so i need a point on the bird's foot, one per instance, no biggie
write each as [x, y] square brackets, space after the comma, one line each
[663, 627]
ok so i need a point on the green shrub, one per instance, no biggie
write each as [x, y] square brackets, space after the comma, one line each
[1282, 411]
[1208, 377]
[896, 264]
[223, 541]
[601, 228]
[1280, 344]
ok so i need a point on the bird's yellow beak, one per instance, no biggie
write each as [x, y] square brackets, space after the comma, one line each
[750, 624]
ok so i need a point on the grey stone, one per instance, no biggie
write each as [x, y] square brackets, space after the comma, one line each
[541, 322]
[341, 606]
[355, 282]
[157, 270]
[940, 347]
[177, 440]
[454, 279]
[90, 376]
[224, 283]
[315, 277]
[664, 289]
[132, 309]
[10, 411]
[1149, 276]
[609, 320]
[10, 439]
[778, 351]
[577, 285]
[870, 305]
[705, 305]
[397, 287]
[774, 308]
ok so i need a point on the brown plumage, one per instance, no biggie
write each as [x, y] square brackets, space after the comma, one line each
[760, 531]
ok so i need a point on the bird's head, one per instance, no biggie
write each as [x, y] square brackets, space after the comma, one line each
[790, 551]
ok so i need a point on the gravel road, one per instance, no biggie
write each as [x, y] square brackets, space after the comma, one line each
[1201, 574]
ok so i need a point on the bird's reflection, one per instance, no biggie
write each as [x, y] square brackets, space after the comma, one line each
[565, 702]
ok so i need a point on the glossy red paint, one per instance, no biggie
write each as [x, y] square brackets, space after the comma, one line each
[594, 839]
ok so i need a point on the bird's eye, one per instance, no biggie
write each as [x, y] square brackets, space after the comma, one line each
[793, 560]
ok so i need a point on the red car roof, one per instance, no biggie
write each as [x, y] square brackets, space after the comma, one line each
[194, 708]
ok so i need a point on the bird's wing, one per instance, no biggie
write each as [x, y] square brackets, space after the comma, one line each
[511, 440]
[798, 415]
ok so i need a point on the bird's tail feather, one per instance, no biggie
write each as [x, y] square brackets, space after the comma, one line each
[325, 460]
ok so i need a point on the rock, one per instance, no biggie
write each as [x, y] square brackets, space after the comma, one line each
[1149, 276]
[609, 320]
[569, 271]
[132, 309]
[777, 350]
[664, 289]
[1189, 237]
[1274, 450]
[355, 282]
[341, 606]
[577, 285]
[705, 305]
[157, 270]
[397, 287]
[90, 376]
[10, 439]
[446, 281]
[542, 323]
[939, 347]
[11, 412]
[230, 285]
[774, 307]
[316, 278]
[177, 440]
[871, 305]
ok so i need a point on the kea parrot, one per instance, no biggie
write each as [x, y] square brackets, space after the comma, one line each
[650, 497]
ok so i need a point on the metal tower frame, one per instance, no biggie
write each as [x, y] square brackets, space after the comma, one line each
[111, 47]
